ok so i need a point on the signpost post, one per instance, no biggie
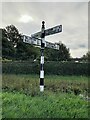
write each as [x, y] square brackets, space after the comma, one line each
[42, 57]
[34, 39]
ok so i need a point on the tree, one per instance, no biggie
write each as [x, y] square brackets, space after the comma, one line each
[26, 51]
[8, 50]
[14, 47]
[10, 39]
[13, 34]
[63, 53]
[0, 43]
[58, 55]
[87, 56]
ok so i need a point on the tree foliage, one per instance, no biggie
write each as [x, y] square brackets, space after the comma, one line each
[13, 47]
[8, 50]
[87, 56]
[13, 34]
[58, 55]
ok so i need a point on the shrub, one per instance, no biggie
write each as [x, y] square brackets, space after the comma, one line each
[52, 67]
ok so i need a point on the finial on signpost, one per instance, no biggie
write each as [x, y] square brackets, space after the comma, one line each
[43, 24]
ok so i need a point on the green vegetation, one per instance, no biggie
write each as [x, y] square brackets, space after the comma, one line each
[66, 82]
[14, 48]
[29, 84]
[50, 67]
[22, 99]
[47, 105]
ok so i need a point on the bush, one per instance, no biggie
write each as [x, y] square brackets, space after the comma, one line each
[52, 67]
[66, 68]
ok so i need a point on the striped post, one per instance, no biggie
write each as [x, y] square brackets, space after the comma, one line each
[42, 57]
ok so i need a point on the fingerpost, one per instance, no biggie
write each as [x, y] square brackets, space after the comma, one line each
[42, 57]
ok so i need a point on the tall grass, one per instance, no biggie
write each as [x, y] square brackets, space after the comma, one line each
[29, 84]
[22, 99]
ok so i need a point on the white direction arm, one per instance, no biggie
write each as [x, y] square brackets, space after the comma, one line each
[51, 45]
[37, 42]
[31, 40]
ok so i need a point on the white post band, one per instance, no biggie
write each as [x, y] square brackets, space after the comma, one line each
[42, 59]
[41, 88]
[41, 74]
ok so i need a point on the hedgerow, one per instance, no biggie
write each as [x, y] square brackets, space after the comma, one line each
[52, 67]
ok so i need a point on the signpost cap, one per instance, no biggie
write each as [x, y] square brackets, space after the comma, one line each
[43, 26]
[43, 22]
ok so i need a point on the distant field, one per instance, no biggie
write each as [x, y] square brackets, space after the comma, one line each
[64, 97]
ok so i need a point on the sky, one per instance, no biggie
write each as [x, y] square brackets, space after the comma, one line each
[73, 16]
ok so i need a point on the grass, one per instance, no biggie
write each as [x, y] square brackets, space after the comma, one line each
[48, 105]
[29, 84]
[22, 99]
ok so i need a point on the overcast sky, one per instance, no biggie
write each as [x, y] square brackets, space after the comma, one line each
[27, 17]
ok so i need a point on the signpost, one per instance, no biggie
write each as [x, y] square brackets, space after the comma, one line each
[34, 39]
[42, 57]
[37, 42]
[49, 31]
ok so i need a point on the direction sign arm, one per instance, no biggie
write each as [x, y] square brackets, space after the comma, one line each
[49, 31]
[37, 42]
[53, 30]
[36, 35]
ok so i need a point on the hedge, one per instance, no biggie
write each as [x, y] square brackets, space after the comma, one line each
[52, 67]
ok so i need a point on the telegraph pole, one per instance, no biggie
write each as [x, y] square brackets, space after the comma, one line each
[42, 57]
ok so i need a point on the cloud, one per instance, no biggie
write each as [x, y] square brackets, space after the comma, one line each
[25, 18]
[72, 15]
[45, 0]
[82, 46]
[78, 52]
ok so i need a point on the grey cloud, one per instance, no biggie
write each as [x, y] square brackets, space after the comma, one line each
[73, 17]
[45, 0]
[82, 46]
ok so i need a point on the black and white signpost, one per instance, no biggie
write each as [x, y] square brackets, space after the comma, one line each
[35, 40]
[42, 57]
